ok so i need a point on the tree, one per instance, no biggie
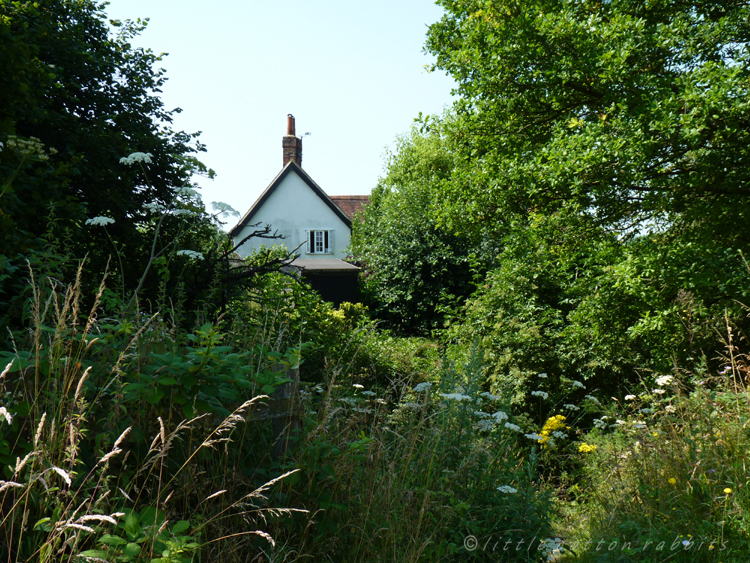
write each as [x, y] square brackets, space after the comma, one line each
[75, 100]
[632, 112]
[412, 267]
[609, 140]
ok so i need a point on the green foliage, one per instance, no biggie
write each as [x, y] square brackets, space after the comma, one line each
[625, 111]
[414, 269]
[409, 473]
[667, 476]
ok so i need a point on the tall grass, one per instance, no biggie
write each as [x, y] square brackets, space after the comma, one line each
[82, 476]
[668, 478]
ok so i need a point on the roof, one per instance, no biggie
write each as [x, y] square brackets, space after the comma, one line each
[330, 264]
[291, 166]
[350, 204]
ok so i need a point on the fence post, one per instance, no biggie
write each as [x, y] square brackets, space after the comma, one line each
[284, 406]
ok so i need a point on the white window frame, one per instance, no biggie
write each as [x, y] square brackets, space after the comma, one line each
[319, 241]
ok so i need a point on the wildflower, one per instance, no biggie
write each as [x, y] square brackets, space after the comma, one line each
[658, 391]
[137, 157]
[358, 386]
[726, 370]
[670, 409]
[513, 427]
[369, 393]
[586, 448]
[6, 415]
[647, 411]
[728, 491]
[572, 407]
[188, 212]
[579, 385]
[664, 380]
[672, 481]
[190, 254]
[542, 376]
[630, 397]
[542, 394]
[534, 436]
[455, 397]
[422, 387]
[499, 416]
[485, 425]
[686, 543]
[100, 221]
[592, 398]
[489, 396]
[600, 424]
[559, 435]
[481, 414]
[154, 207]
[507, 489]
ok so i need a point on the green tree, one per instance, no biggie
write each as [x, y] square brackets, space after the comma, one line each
[632, 112]
[412, 267]
[74, 100]
[609, 140]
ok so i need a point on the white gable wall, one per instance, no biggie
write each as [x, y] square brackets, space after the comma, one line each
[291, 209]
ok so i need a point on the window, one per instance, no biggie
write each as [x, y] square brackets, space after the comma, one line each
[320, 242]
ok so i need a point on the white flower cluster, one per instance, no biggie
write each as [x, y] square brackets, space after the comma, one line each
[187, 212]
[6, 415]
[572, 407]
[639, 425]
[499, 416]
[542, 375]
[559, 435]
[579, 385]
[481, 414]
[489, 396]
[134, 157]
[192, 254]
[647, 411]
[513, 427]
[358, 386]
[630, 397]
[592, 398]
[455, 397]
[485, 425]
[534, 436]
[100, 221]
[424, 386]
[369, 393]
[552, 548]
[600, 424]
[154, 207]
[507, 489]
[670, 409]
[664, 380]
[542, 394]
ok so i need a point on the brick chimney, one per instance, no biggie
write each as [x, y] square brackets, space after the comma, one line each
[291, 144]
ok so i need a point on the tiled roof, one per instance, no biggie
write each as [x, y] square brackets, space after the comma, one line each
[350, 204]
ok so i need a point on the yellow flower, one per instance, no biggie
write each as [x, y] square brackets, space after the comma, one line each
[672, 481]
[586, 448]
[728, 491]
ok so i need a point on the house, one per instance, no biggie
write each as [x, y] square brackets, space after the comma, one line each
[315, 225]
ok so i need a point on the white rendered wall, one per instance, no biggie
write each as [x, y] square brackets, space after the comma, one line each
[292, 209]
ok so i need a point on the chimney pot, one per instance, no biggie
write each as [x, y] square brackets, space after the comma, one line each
[291, 144]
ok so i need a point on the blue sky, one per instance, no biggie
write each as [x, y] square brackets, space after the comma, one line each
[351, 72]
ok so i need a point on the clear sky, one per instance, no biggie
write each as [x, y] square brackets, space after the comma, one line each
[351, 72]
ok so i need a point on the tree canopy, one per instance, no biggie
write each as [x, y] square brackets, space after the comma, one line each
[632, 112]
